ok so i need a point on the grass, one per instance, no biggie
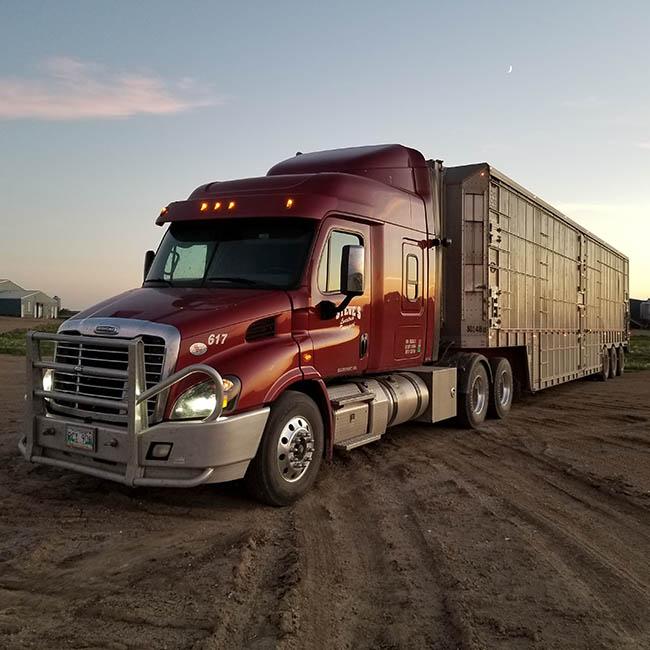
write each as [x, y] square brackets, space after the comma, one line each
[638, 357]
[15, 342]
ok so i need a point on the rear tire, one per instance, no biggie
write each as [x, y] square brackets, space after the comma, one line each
[290, 452]
[621, 361]
[603, 375]
[502, 389]
[613, 362]
[473, 393]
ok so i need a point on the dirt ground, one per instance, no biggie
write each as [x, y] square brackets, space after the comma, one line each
[9, 323]
[530, 533]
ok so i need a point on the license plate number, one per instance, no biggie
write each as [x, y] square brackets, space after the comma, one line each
[80, 438]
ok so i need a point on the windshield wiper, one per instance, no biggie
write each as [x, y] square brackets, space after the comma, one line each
[235, 280]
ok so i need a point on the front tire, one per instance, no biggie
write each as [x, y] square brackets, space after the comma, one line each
[290, 452]
[502, 388]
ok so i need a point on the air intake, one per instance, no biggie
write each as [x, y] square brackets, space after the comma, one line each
[261, 329]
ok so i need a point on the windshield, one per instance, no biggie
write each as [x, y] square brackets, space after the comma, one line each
[264, 253]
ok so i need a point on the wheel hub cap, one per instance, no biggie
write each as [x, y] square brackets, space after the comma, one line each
[295, 448]
[505, 389]
[478, 396]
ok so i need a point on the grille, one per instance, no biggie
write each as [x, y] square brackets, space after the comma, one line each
[78, 383]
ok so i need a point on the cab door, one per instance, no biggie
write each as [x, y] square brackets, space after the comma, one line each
[340, 344]
[408, 342]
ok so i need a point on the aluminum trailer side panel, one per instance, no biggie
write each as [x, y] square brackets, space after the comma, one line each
[522, 275]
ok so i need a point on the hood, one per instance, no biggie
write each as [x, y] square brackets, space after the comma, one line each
[192, 311]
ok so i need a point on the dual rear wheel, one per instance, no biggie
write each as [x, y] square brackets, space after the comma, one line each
[613, 363]
[480, 395]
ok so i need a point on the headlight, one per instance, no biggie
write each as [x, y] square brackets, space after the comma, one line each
[48, 380]
[200, 400]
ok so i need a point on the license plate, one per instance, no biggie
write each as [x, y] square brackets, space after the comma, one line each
[80, 438]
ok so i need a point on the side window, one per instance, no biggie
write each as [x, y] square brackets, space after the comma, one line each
[412, 278]
[329, 267]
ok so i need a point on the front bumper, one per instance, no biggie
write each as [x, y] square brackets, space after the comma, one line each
[215, 449]
[202, 452]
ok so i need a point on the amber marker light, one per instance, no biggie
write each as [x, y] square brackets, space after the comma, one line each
[165, 210]
[289, 203]
[204, 207]
[217, 205]
[231, 205]
[307, 356]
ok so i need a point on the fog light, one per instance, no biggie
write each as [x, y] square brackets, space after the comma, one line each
[159, 450]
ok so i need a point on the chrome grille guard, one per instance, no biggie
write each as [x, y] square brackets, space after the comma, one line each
[133, 402]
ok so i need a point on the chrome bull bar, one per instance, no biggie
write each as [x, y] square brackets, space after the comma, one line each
[133, 402]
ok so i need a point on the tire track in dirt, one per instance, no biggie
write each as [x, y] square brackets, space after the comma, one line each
[510, 483]
[576, 544]
[531, 533]
[382, 590]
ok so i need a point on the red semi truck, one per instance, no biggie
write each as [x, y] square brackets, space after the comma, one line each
[345, 292]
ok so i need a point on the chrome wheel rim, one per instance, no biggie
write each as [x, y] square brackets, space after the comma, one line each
[504, 389]
[295, 448]
[478, 395]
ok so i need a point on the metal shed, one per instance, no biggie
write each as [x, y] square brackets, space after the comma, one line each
[26, 303]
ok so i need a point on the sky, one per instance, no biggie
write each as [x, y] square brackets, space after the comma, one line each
[110, 110]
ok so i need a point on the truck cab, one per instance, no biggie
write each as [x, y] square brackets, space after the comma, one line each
[271, 326]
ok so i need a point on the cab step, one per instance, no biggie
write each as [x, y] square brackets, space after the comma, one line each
[357, 441]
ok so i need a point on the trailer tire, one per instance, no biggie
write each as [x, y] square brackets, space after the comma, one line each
[290, 452]
[620, 369]
[502, 389]
[603, 375]
[473, 392]
[613, 362]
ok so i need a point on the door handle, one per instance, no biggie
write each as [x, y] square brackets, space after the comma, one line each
[363, 346]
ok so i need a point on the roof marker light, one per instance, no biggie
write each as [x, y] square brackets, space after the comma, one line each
[289, 203]
[217, 205]
[231, 205]
[165, 210]
[204, 206]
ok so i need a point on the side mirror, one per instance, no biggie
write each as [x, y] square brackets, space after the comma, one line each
[352, 281]
[352, 268]
[148, 261]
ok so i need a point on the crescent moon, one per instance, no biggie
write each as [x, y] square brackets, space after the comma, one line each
[509, 69]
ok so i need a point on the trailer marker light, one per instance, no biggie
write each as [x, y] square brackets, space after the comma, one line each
[307, 356]
[289, 203]
[231, 205]
[217, 205]
[204, 207]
